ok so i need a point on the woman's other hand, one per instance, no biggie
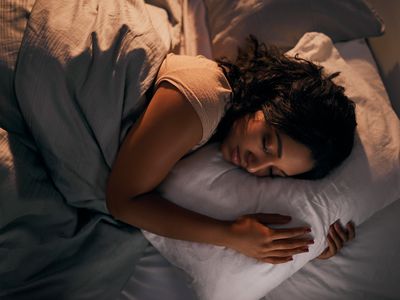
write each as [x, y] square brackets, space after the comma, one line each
[250, 236]
[337, 237]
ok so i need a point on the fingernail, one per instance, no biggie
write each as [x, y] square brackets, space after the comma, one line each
[305, 249]
[308, 230]
[290, 259]
[311, 242]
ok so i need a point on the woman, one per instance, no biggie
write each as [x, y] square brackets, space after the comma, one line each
[273, 116]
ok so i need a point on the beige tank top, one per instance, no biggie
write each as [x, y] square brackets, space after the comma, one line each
[203, 84]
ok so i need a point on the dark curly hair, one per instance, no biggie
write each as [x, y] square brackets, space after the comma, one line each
[296, 97]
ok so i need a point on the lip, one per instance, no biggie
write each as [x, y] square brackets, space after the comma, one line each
[235, 156]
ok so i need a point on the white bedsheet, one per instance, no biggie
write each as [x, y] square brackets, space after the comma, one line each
[367, 269]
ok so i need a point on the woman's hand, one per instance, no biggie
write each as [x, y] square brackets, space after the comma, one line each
[337, 236]
[249, 236]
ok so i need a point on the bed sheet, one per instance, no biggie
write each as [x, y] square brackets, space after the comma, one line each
[195, 39]
[367, 269]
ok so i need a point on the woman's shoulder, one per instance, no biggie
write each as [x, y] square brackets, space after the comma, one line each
[196, 73]
[203, 84]
[193, 68]
[184, 61]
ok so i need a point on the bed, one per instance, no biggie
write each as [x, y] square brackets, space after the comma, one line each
[367, 269]
[354, 273]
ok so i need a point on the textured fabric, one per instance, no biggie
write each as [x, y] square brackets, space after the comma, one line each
[83, 70]
[195, 29]
[82, 76]
[174, 24]
[365, 183]
[13, 19]
[203, 84]
[49, 249]
[283, 22]
[154, 278]
[15, 12]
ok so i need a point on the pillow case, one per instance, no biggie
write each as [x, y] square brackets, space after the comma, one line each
[365, 183]
[283, 22]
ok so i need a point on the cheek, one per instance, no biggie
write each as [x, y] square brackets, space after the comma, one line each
[300, 164]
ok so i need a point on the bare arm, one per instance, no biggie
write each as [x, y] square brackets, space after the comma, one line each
[160, 216]
[168, 129]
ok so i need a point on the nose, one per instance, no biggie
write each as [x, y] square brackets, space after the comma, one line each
[255, 163]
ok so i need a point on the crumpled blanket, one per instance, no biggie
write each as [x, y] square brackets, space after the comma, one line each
[83, 70]
[82, 76]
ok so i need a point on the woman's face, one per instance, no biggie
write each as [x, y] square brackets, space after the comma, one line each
[260, 149]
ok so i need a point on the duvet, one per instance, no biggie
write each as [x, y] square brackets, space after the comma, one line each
[83, 72]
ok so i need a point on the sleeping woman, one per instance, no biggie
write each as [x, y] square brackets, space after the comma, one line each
[271, 115]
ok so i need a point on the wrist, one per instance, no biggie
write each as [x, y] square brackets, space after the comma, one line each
[224, 235]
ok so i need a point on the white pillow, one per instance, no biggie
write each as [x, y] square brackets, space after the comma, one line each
[365, 183]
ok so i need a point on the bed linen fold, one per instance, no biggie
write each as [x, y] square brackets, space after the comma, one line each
[83, 72]
[81, 78]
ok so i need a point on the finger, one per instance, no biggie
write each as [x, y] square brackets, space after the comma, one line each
[287, 253]
[288, 244]
[272, 218]
[333, 234]
[332, 245]
[324, 254]
[329, 251]
[276, 260]
[351, 230]
[277, 234]
[340, 231]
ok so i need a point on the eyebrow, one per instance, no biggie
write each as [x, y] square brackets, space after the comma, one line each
[278, 138]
